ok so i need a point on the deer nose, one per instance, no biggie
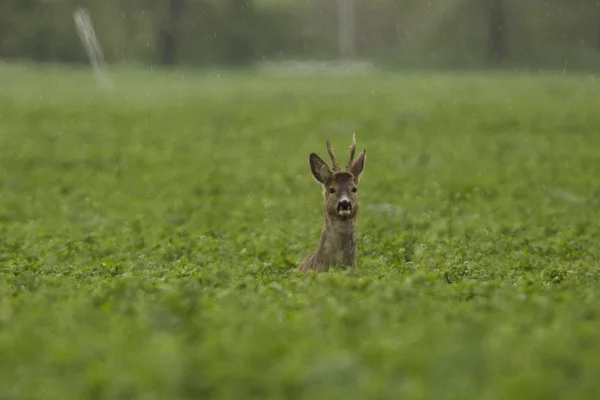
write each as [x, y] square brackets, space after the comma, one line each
[344, 205]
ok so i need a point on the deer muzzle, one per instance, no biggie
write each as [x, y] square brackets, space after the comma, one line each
[344, 207]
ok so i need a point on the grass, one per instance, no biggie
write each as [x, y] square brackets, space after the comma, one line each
[149, 237]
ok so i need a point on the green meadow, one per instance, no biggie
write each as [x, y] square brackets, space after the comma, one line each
[149, 236]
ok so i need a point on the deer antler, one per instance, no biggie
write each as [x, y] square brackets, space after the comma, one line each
[352, 151]
[336, 167]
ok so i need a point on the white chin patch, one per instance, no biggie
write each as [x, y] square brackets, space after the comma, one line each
[344, 213]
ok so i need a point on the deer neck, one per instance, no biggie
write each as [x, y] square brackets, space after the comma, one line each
[338, 243]
[342, 228]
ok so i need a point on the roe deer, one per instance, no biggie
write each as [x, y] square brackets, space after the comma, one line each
[337, 246]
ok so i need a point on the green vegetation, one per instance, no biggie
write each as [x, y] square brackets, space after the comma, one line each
[149, 237]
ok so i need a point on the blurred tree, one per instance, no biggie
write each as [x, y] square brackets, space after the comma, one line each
[595, 4]
[497, 32]
[169, 32]
[238, 33]
[128, 10]
[346, 28]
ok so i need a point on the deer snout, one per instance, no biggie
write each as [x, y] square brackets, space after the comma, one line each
[344, 205]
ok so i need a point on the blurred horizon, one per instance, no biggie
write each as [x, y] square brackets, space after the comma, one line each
[231, 33]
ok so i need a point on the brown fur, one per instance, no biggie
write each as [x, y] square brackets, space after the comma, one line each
[337, 246]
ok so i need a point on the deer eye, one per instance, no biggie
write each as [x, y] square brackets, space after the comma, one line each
[331, 190]
[354, 190]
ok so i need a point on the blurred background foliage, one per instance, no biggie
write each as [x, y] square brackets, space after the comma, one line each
[409, 33]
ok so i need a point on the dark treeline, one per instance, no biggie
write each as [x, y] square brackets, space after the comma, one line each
[442, 33]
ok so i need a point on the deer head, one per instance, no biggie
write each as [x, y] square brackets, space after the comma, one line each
[340, 187]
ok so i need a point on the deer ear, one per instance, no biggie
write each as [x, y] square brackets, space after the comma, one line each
[358, 164]
[319, 168]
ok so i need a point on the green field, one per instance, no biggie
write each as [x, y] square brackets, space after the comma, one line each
[149, 237]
